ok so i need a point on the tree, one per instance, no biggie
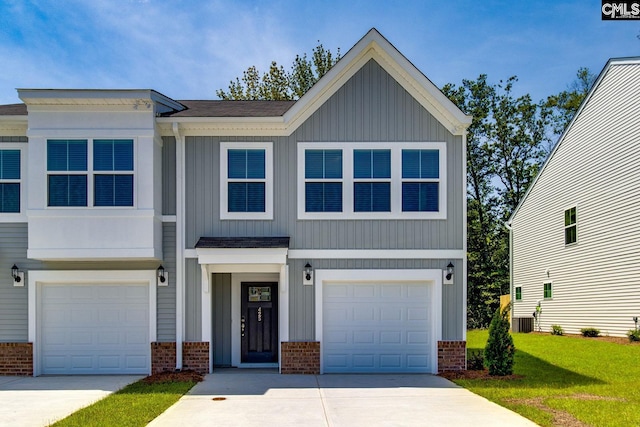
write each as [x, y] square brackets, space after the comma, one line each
[500, 350]
[503, 154]
[277, 84]
[563, 106]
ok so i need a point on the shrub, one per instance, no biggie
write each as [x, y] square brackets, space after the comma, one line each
[475, 360]
[634, 335]
[499, 352]
[557, 330]
[590, 332]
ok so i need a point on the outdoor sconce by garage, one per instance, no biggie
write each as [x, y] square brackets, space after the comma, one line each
[447, 274]
[163, 277]
[307, 275]
[18, 276]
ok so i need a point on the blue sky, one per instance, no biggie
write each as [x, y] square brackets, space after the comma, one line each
[186, 49]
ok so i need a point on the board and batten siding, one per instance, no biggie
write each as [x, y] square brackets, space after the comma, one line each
[302, 298]
[370, 107]
[596, 282]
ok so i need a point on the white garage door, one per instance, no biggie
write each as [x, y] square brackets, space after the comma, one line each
[376, 327]
[95, 329]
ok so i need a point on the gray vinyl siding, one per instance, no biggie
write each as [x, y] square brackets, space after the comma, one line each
[221, 317]
[367, 108]
[193, 301]
[168, 175]
[302, 298]
[595, 168]
[13, 300]
[370, 107]
[166, 296]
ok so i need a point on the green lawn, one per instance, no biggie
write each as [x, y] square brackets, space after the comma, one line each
[565, 379]
[135, 405]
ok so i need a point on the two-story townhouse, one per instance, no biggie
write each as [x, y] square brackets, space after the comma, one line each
[326, 234]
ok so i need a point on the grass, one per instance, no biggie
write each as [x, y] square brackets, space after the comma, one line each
[135, 405]
[566, 380]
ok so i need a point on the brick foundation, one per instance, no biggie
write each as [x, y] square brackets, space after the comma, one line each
[300, 358]
[452, 356]
[16, 358]
[163, 357]
[195, 356]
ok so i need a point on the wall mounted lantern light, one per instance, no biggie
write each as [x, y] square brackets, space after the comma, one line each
[307, 275]
[163, 277]
[18, 276]
[448, 275]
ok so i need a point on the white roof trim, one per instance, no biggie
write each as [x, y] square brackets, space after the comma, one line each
[242, 255]
[610, 64]
[374, 46]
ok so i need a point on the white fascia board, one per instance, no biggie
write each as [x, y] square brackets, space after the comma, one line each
[96, 254]
[371, 46]
[13, 125]
[242, 255]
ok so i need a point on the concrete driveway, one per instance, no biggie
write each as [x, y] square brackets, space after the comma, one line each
[248, 397]
[40, 401]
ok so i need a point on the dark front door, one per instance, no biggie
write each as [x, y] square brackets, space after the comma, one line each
[259, 322]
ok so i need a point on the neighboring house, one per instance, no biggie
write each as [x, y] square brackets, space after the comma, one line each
[575, 234]
[312, 236]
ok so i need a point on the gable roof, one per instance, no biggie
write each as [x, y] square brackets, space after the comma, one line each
[374, 46]
[613, 62]
[274, 118]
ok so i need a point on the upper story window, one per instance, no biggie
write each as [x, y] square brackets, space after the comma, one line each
[246, 181]
[372, 180]
[570, 226]
[323, 180]
[10, 181]
[420, 180]
[105, 181]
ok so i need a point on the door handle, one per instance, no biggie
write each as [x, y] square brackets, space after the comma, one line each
[242, 326]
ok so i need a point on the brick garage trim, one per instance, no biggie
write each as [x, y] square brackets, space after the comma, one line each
[300, 358]
[452, 356]
[195, 356]
[16, 358]
[163, 357]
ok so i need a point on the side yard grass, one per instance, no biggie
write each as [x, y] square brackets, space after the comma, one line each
[135, 405]
[565, 380]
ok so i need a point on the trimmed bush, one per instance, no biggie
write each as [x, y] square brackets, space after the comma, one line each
[475, 360]
[634, 335]
[499, 352]
[557, 330]
[590, 332]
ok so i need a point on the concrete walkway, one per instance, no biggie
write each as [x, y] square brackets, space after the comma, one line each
[40, 401]
[248, 397]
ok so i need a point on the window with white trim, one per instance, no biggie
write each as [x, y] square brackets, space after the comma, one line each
[105, 181]
[570, 226]
[246, 181]
[10, 175]
[399, 180]
[518, 293]
[547, 288]
[372, 180]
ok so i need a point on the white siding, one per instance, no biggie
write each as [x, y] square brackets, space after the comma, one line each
[596, 282]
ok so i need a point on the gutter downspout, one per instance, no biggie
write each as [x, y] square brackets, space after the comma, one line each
[180, 214]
